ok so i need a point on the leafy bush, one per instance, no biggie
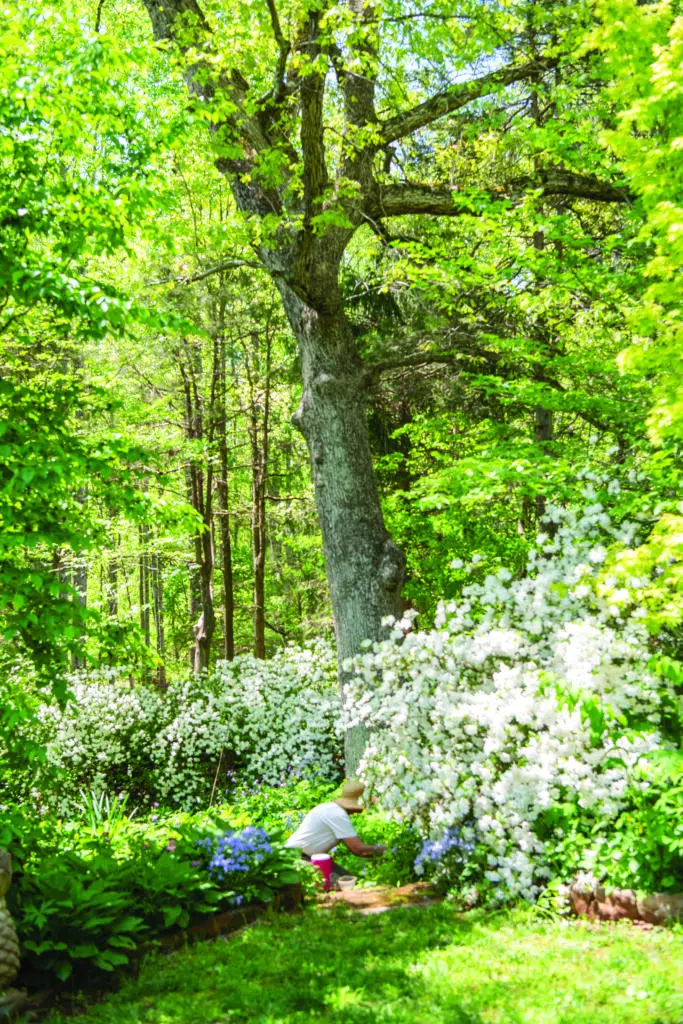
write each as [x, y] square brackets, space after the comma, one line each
[643, 848]
[83, 897]
[530, 702]
[247, 862]
[266, 720]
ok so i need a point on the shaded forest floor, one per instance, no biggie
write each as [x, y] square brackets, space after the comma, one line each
[426, 965]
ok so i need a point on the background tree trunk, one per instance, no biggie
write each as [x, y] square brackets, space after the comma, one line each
[223, 503]
[158, 610]
[143, 584]
[258, 426]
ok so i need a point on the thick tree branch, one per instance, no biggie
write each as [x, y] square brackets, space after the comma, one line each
[437, 200]
[284, 48]
[457, 96]
[183, 23]
[458, 358]
[312, 92]
[417, 359]
[559, 182]
[359, 94]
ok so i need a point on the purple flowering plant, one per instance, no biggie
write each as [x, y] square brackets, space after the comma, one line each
[248, 863]
[449, 850]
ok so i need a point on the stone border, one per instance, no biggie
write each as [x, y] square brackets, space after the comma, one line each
[601, 904]
[288, 898]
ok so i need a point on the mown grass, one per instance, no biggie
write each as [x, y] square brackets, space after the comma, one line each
[410, 966]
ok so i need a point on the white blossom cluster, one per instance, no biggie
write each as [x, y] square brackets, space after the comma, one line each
[526, 694]
[267, 720]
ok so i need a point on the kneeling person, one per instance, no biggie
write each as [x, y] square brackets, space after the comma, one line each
[329, 824]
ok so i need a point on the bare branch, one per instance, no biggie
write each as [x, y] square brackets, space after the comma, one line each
[218, 269]
[457, 96]
[415, 360]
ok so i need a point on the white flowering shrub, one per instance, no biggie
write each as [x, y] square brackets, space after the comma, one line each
[271, 719]
[248, 719]
[102, 738]
[528, 697]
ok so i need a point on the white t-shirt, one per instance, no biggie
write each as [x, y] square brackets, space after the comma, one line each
[322, 828]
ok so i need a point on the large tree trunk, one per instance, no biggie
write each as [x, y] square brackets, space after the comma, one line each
[365, 568]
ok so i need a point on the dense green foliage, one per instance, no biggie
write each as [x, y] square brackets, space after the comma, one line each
[88, 892]
[145, 354]
[478, 208]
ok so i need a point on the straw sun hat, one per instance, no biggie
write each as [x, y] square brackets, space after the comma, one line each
[349, 799]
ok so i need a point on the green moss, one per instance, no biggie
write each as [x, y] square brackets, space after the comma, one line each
[419, 966]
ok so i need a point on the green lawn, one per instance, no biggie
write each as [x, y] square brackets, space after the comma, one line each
[419, 966]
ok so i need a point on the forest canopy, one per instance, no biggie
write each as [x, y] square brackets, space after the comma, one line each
[305, 305]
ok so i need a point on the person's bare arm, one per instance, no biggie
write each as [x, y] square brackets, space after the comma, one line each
[357, 847]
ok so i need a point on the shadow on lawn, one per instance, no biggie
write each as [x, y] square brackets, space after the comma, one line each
[334, 966]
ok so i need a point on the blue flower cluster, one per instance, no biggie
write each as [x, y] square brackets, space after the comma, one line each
[450, 844]
[237, 851]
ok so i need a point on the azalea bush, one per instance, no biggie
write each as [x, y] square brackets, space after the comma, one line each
[248, 719]
[521, 718]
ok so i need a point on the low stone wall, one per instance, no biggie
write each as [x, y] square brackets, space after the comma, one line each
[603, 904]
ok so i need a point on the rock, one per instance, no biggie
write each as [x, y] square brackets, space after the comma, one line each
[661, 907]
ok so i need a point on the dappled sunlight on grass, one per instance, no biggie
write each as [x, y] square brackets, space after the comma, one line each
[412, 966]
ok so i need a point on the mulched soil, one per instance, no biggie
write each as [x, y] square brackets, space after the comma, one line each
[381, 899]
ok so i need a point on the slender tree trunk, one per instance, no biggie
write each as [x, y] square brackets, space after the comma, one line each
[113, 587]
[365, 568]
[222, 494]
[206, 624]
[79, 581]
[143, 584]
[258, 418]
[158, 610]
[200, 484]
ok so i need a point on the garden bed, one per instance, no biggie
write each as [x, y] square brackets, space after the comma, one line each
[288, 899]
